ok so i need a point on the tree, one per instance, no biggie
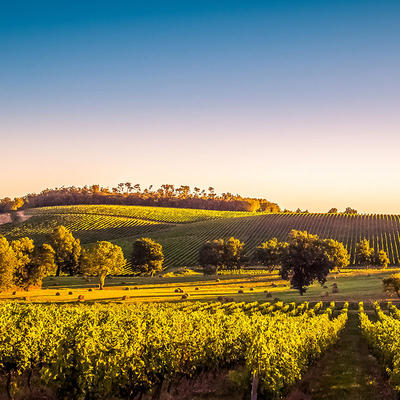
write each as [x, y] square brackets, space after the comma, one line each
[8, 264]
[67, 250]
[336, 253]
[147, 256]
[233, 249]
[381, 259]
[269, 253]
[102, 259]
[220, 253]
[392, 284]
[333, 211]
[365, 254]
[33, 263]
[211, 255]
[350, 210]
[307, 258]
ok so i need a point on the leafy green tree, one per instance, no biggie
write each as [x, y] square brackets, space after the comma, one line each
[8, 264]
[233, 249]
[307, 258]
[147, 256]
[211, 255]
[365, 254]
[33, 262]
[381, 259]
[333, 211]
[67, 250]
[336, 253]
[269, 253]
[220, 253]
[102, 259]
[392, 284]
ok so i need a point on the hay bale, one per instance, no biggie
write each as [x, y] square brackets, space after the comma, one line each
[251, 289]
[274, 285]
[127, 288]
[81, 297]
[125, 297]
[217, 280]
[196, 288]
[70, 293]
[14, 293]
[240, 291]
[185, 296]
[90, 290]
[135, 288]
[58, 294]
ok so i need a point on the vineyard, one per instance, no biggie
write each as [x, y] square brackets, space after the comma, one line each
[183, 231]
[115, 351]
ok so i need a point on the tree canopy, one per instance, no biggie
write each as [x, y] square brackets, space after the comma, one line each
[366, 256]
[220, 253]
[102, 259]
[67, 250]
[307, 258]
[147, 256]
[269, 253]
[8, 264]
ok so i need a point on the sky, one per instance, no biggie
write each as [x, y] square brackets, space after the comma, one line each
[294, 101]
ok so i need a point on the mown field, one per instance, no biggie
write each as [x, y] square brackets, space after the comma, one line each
[183, 231]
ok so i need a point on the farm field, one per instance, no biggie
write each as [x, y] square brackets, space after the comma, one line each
[183, 231]
[354, 286]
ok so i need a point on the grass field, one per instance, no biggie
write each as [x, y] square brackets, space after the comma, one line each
[183, 231]
[354, 286]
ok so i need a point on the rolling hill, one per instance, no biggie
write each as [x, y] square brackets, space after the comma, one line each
[182, 231]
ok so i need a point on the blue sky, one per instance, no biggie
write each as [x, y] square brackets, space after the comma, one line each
[296, 101]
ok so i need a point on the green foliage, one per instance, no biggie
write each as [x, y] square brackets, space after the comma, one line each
[307, 258]
[365, 254]
[383, 338]
[221, 253]
[67, 250]
[114, 351]
[381, 259]
[147, 256]
[102, 259]
[8, 264]
[269, 253]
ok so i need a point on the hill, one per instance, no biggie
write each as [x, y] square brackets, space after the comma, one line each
[182, 231]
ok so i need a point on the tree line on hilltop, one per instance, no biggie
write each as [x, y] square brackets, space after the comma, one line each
[128, 194]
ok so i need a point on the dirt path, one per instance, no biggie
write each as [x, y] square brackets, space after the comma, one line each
[347, 371]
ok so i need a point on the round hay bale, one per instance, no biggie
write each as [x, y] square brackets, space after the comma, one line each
[125, 297]
[240, 291]
[196, 288]
[127, 288]
[81, 297]
[14, 293]
[185, 296]
[90, 290]
[58, 294]
[70, 293]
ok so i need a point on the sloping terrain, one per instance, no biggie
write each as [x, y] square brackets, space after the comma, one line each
[183, 231]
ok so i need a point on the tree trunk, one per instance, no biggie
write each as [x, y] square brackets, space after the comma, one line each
[8, 385]
[254, 386]
[102, 279]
